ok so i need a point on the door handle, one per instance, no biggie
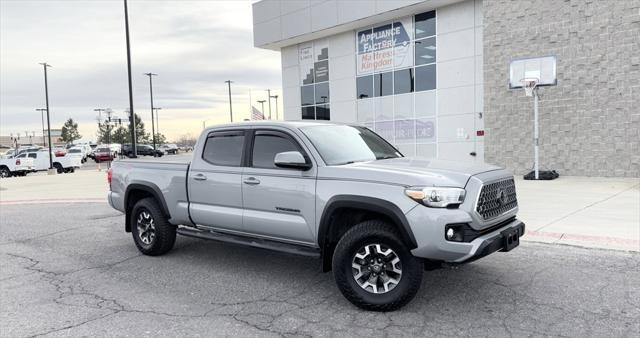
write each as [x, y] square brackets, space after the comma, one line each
[199, 177]
[251, 181]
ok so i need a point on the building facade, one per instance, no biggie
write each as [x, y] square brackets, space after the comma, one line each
[432, 76]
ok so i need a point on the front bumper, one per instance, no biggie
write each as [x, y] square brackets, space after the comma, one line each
[428, 225]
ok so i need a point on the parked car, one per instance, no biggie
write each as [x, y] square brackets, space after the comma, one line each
[77, 152]
[142, 149]
[333, 191]
[102, 154]
[15, 166]
[59, 151]
[169, 148]
[64, 164]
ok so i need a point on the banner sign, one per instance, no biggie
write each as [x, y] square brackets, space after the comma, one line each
[384, 47]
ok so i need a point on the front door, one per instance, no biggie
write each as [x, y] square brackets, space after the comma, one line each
[279, 203]
[215, 194]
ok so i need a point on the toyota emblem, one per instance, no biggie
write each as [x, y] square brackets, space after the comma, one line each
[502, 197]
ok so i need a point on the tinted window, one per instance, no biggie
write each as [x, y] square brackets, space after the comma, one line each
[322, 93]
[383, 84]
[425, 24]
[306, 93]
[364, 86]
[224, 149]
[426, 51]
[403, 81]
[33, 155]
[266, 146]
[426, 77]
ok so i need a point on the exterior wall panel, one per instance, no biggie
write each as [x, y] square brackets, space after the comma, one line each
[590, 121]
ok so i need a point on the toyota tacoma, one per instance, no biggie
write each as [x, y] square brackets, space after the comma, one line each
[337, 192]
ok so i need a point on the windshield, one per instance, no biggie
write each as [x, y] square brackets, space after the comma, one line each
[340, 144]
[103, 150]
[75, 150]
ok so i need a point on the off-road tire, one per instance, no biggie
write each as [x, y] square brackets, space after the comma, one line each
[165, 232]
[375, 231]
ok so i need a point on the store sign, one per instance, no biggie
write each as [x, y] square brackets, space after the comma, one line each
[384, 47]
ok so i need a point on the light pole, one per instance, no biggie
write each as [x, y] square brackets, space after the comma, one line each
[276, 97]
[228, 82]
[269, 97]
[42, 110]
[46, 95]
[132, 122]
[153, 130]
[157, 119]
[262, 105]
[99, 110]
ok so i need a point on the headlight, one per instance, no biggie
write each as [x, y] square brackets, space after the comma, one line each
[436, 197]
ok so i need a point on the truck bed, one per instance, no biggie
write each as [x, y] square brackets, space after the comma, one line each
[166, 178]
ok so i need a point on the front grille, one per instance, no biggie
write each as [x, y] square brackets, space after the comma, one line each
[496, 198]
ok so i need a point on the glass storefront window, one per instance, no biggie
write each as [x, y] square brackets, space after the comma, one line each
[308, 113]
[364, 87]
[306, 94]
[425, 51]
[383, 84]
[322, 93]
[403, 81]
[425, 24]
[323, 112]
[426, 77]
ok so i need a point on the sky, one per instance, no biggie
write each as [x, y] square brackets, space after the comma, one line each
[193, 46]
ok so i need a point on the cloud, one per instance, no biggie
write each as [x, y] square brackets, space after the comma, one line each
[193, 46]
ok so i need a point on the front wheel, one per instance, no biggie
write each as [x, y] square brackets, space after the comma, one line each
[5, 172]
[374, 269]
[152, 232]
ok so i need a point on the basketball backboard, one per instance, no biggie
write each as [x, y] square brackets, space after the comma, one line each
[543, 68]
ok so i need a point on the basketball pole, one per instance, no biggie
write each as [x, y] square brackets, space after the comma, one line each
[535, 133]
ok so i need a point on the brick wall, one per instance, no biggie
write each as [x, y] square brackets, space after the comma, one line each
[590, 121]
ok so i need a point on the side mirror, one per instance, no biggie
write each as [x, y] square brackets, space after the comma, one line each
[291, 159]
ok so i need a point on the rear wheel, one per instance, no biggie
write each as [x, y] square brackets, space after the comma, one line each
[58, 168]
[374, 269]
[151, 231]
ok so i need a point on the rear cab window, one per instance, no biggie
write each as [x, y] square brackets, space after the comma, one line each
[224, 148]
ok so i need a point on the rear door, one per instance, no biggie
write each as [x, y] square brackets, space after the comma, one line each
[215, 175]
[279, 203]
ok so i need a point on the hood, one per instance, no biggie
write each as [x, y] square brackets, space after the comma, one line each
[409, 171]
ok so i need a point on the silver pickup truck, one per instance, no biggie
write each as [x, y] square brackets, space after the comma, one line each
[333, 191]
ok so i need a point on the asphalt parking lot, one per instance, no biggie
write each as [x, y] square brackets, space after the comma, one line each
[82, 276]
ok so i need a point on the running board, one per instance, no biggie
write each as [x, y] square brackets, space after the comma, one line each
[251, 241]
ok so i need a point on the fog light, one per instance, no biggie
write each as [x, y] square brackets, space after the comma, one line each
[450, 233]
[454, 232]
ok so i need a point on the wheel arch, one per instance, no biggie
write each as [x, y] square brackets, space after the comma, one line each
[355, 208]
[138, 191]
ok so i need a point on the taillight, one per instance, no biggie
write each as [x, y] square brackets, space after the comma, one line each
[109, 176]
[18, 162]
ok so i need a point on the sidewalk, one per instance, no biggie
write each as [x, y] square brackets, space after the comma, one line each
[585, 211]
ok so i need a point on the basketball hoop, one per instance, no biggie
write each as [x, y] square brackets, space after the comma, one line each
[529, 84]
